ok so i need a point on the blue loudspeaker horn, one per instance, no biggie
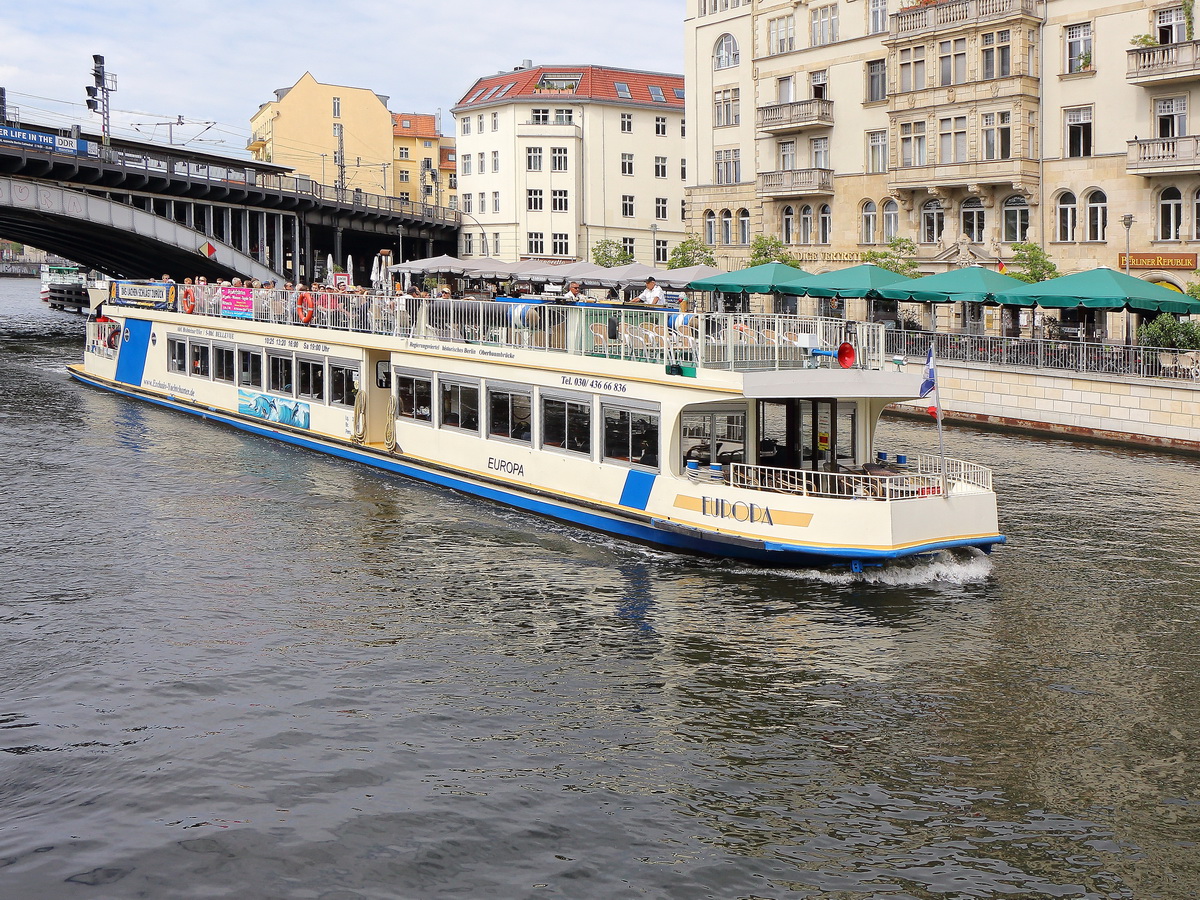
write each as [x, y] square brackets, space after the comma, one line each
[844, 355]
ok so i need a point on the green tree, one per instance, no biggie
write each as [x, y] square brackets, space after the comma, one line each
[1033, 263]
[899, 257]
[766, 249]
[609, 254]
[691, 251]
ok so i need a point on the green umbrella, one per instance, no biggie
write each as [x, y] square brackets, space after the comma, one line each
[1101, 288]
[857, 281]
[764, 279]
[972, 284]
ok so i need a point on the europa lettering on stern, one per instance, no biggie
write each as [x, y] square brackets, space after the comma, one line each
[737, 510]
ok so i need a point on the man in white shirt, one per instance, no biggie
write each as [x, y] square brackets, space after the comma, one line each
[653, 294]
[573, 292]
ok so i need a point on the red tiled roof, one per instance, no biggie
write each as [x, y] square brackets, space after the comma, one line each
[595, 83]
[419, 125]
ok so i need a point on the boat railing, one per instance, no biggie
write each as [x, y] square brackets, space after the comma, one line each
[642, 334]
[923, 480]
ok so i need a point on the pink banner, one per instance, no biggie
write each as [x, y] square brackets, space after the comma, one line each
[237, 302]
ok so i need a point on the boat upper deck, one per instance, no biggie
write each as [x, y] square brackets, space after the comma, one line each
[723, 341]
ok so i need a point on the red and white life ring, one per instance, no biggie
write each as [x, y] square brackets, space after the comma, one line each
[189, 300]
[306, 308]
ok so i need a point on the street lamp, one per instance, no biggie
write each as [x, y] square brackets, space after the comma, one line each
[1127, 220]
[654, 243]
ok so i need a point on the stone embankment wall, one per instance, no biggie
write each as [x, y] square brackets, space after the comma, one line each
[1141, 411]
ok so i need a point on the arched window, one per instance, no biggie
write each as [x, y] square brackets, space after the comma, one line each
[788, 225]
[869, 215]
[933, 222]
[891, 220]
[725, 53]
[726, 227]
[806, 224]
[1170, 214]
[972, 219]
[1067, 216]
[824, 224]
[1016, 219]
[710, 227]
[743, 218]
[1097, 216]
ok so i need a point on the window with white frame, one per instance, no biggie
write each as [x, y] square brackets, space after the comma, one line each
[806, 224]
[952, 139]
[728, 166]
[726, 227]
[824, 25]
[467, 205]
[560, 244]
[972, 219]
[627, 205]
[818, 84]
[683, 168]
[725, 53]
[785, 89]
[660, 167]
[912, 69]
[824, 224]
[533, 199]
[891, 220]
[787, 155]
[536, 243]
[1066, 216]
[912, 144]
[564, 117]
[482, 163]
[1097, 213]
[464, 164]
[495, 160]
[482, 202]
[997, 134]
[877, 17]
[629, 246]
[933, 222]
[1016, 219]
[876, 80]
[710, 227]
[1079, 131]
[996, 54]
[1079, 46]
[558, 159]
[743, 221]
[627, 123]
[468, 243]
[869, 224]
[781, 35]
[877, 151]
[819, 152]
[787, 225]
[533, 159]
[337, 107]
[952, 61]
[495, 121]
[464, 125]
[559, 201]
[1171, 25]
[1170, 214]
[660, 208]
[626, 163]
[660, 126]
[402, 153]
[660, 250]
[727, 107]
[539, 116]
[1170, 117]
[495, 201]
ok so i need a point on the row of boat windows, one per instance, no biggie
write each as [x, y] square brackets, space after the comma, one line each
[291, 375]
[508, 413]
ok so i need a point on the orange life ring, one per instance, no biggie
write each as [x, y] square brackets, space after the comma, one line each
[305, 307]
[189, 300]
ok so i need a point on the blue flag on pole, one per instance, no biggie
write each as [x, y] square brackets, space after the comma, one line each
[930, 382]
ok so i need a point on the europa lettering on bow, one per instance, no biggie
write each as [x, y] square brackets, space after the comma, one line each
[505, 466]
[738, 511]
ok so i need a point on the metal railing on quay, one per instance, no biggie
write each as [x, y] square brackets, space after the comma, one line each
[666, 337]
[1039, 353]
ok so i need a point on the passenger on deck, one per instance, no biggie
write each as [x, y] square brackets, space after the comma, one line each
[573, 293]
[653, 294]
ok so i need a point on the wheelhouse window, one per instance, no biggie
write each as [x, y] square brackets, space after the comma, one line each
[459, 406]
[510, 415]
[414, 397]
[1016, 219]
[310, 379]
[280, 370]
[200, 354]
[343, 384]
[567, 425]
[630, 436]
[223, 368]
[250, 368]
[177, 356]
[713, 437]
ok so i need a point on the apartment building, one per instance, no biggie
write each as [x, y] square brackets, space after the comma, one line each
[552, 159]
[423, 161]
[965, 125]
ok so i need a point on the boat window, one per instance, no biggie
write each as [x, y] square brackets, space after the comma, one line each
[713, 437]
[802, 434]
[176, 355]
[415, 397]
[311, 383]
[343, 384]
[222, 362]
[567, 425]
[280, 368]
[459, 406]
[630, 436]
[200, 353]
[510, 415]
[250, 368]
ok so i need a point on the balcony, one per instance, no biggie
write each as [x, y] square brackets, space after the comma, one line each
[258, 141]
[977, 172]
[562, 131]
[1165, 64]
[795, 182]
[782, 118]
[1164, 156]
[931, 17]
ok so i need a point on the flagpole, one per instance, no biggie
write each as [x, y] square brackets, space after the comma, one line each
[937, 399]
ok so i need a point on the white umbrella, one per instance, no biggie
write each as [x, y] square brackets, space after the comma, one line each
[329, 268]
[375, 279]
[621, 276]
[449, 265]
[350, 270]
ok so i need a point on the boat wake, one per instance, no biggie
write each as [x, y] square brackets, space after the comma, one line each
[966, 566]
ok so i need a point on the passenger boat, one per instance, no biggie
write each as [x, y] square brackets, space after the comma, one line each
[66, 286]
[741, 436]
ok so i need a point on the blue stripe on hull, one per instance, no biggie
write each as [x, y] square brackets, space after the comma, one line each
[769, 553]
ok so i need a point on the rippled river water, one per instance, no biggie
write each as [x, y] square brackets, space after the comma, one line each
[236, 669]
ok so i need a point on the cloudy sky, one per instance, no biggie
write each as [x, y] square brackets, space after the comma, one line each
[218, 60]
